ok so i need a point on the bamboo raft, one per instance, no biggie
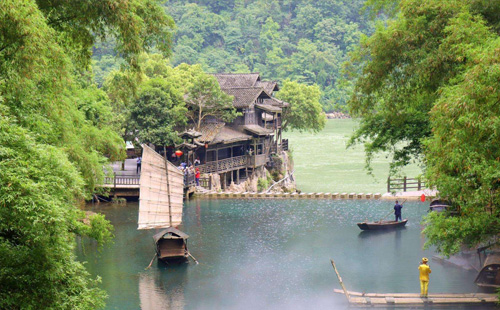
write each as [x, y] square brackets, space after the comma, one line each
[397, 300]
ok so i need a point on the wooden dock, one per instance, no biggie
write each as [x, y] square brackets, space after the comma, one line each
[400, 300]
[413, 300]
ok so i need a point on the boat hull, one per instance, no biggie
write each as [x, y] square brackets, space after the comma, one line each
[382, 225]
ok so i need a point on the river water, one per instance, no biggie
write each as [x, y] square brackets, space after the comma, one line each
[267, 254]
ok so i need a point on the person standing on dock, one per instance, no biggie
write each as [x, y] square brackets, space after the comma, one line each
[139, 164]
[424, 270]
[197, 176]
[397, 211]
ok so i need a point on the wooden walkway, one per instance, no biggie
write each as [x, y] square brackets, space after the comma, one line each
[400, 300]
[413, 300]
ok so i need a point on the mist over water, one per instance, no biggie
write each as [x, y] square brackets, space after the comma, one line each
[268, 254]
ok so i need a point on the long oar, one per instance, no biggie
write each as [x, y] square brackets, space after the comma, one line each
[151, 262]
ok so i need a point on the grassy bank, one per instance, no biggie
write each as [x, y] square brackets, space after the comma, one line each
[323, 164]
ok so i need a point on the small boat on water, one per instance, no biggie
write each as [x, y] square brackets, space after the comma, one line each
[489, 276]
[382, 225]
[171, 244]
[160, 205]
[439, 205]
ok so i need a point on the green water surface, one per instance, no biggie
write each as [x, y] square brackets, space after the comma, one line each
[267, 254]
[323, 164]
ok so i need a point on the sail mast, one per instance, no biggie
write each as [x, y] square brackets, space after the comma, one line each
[168, 186]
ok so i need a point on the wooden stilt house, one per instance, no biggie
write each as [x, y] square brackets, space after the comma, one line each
[234, 150]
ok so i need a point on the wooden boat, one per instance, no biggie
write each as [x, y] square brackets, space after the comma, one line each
[489, 276]
[160, 205]
[439, 205]
[171, 244]
[413, 300]
[382, 225]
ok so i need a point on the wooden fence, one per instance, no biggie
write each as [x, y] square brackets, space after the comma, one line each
[122, 180]
[404, 184]
[206, 183]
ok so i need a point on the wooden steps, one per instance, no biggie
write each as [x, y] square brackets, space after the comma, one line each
[369, 300]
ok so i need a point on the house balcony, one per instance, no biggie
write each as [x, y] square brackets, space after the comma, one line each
[234, 163]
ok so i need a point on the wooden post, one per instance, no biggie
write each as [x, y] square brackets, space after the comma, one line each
[238, 176]
[419, 184]
[388, 184]
[340, 280]
[168, 186]
[404, 184]
[217, 159]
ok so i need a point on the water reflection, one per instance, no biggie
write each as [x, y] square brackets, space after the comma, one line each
[152, 294]
[268, 254]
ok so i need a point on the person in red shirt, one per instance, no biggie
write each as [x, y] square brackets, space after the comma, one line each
[197, 176]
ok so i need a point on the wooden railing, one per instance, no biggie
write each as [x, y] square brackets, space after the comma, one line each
[284, 144]
[206, 183]
[122, 180]
[404, 184]
[224, 165]
[257, 161]
[282, 147]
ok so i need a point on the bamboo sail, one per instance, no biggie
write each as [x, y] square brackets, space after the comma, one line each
[161, 192]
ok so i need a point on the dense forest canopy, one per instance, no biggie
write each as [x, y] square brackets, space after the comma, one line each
[303, 41]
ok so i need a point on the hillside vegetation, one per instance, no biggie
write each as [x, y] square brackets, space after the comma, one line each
[304, 41]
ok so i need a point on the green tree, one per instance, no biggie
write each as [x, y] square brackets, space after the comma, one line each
[55, 139]
[203, 96]
[304, 113]
[158, 112]
[463, 153]
[429, 88]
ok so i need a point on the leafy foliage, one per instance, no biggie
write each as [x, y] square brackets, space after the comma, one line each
[167, 99]
[304, 113]
[429, 88]
[297, 40]
[203, 96]
[55, 137]
[158, 110]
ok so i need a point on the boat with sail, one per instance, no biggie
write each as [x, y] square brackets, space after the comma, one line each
[160, 205]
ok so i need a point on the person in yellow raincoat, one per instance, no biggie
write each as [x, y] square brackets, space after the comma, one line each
[424, 277]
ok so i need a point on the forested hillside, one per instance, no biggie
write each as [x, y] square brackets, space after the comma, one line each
[301, 40]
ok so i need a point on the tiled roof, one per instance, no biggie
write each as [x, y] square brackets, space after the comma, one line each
[258, 130]
[232, 80]
[269, 86]
[268, 108]
[275, 102]
[229, 135]
[209, 131]
[245, 97]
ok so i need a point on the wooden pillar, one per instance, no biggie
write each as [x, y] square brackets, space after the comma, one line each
[238, 176]
[254, 152]
[217, 158]
[404, 185]
[389, 184]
